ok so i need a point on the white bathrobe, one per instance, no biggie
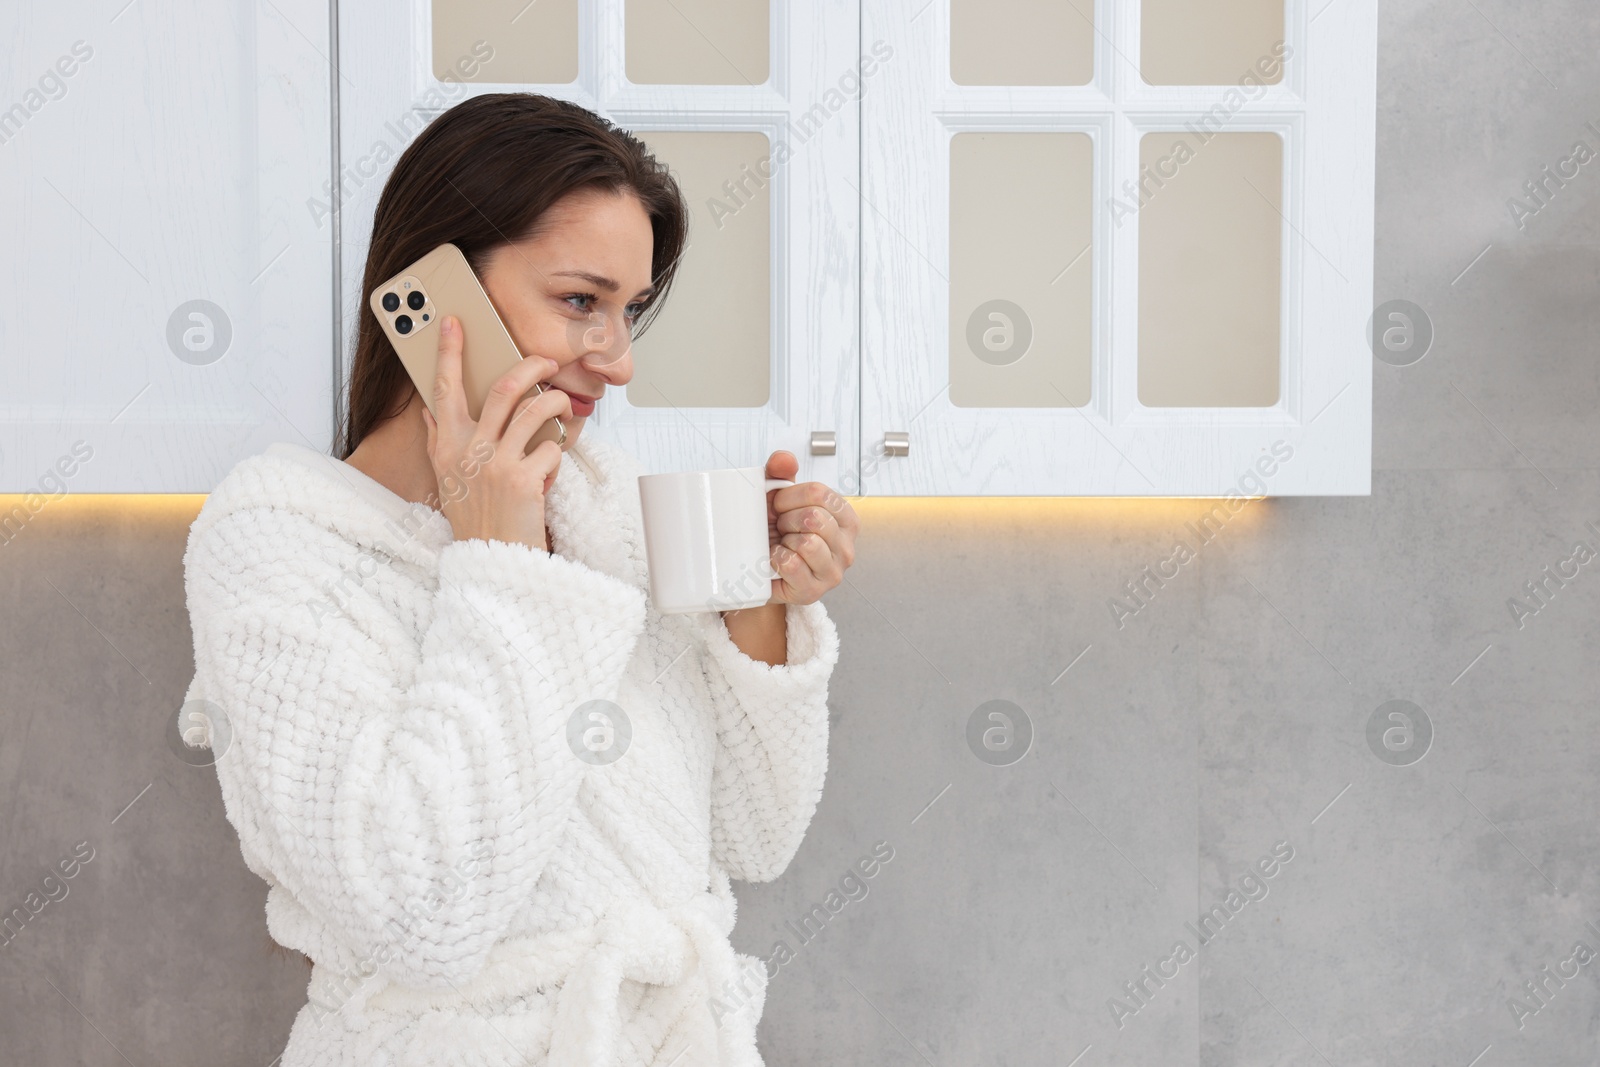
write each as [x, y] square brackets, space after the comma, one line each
[407, 748]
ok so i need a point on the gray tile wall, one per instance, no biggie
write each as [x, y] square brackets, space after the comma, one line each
[1228, 714]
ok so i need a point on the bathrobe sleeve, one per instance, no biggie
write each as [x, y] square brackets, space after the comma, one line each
[772, 743]
[410, 802]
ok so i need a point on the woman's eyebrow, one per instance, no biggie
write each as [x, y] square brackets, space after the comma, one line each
[600, 281]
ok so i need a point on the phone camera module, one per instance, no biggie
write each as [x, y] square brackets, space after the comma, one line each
[391, 302]
[403, 324]
[415, 300]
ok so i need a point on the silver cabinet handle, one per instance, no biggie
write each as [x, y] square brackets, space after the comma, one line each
[897, 444]
[822, 443]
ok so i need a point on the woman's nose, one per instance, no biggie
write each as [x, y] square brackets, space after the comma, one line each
[606, 347]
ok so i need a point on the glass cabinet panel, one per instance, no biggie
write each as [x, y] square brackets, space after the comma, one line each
[1022, 42]
[1210, 287]
[1210, 42]
[533, 44]
[1021, 226]
[697, 42]
[711, 345]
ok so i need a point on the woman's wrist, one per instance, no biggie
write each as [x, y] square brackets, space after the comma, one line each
[760, 633]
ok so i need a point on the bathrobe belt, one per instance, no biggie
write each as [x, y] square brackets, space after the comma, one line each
[632, 940]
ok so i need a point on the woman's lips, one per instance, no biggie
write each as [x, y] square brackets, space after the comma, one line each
[582, 406]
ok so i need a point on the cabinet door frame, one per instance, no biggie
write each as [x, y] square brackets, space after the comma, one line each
[1324, 108]
[814, 278]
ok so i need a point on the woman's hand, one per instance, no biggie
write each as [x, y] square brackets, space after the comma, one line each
[812, 530]
[488, 487]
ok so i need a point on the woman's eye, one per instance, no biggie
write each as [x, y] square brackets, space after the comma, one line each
[633, 312]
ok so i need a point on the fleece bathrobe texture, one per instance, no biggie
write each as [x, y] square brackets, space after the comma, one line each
[398, 719]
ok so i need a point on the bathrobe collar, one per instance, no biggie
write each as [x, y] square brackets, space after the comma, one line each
[592, 509]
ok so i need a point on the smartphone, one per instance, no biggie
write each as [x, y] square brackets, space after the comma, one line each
[409, 307]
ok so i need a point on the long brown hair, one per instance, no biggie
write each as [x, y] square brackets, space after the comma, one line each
[482, 175]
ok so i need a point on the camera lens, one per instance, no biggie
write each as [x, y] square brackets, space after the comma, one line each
[415, 300]
[391, 302]
[403, 324]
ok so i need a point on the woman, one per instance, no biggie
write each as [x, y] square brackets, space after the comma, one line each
[412, 679]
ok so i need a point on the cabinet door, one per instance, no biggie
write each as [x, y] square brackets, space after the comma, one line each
[752, 106]
[1118, 247]
[168, 295]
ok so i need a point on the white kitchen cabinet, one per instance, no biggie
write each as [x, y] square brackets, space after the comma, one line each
[766, 294]
[937, 247]
[1033, 323]
[168, 294]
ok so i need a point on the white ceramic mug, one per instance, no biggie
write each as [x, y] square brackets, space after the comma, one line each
[705, 538]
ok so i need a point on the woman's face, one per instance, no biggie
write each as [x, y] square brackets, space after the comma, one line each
[574, 292]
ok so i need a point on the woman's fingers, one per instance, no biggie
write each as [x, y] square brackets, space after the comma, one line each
[543, 463]
[449, 397]
[805, 561]
[816, 531]
[840, 509]
[833, 518]
[809, 517]
[815, 494]
[820, 521]
[507, 391]
[533, 411]
[490, 490]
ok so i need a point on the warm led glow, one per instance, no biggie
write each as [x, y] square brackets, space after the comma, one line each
[161, 507]
[1039, 512]
[1048, 513]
